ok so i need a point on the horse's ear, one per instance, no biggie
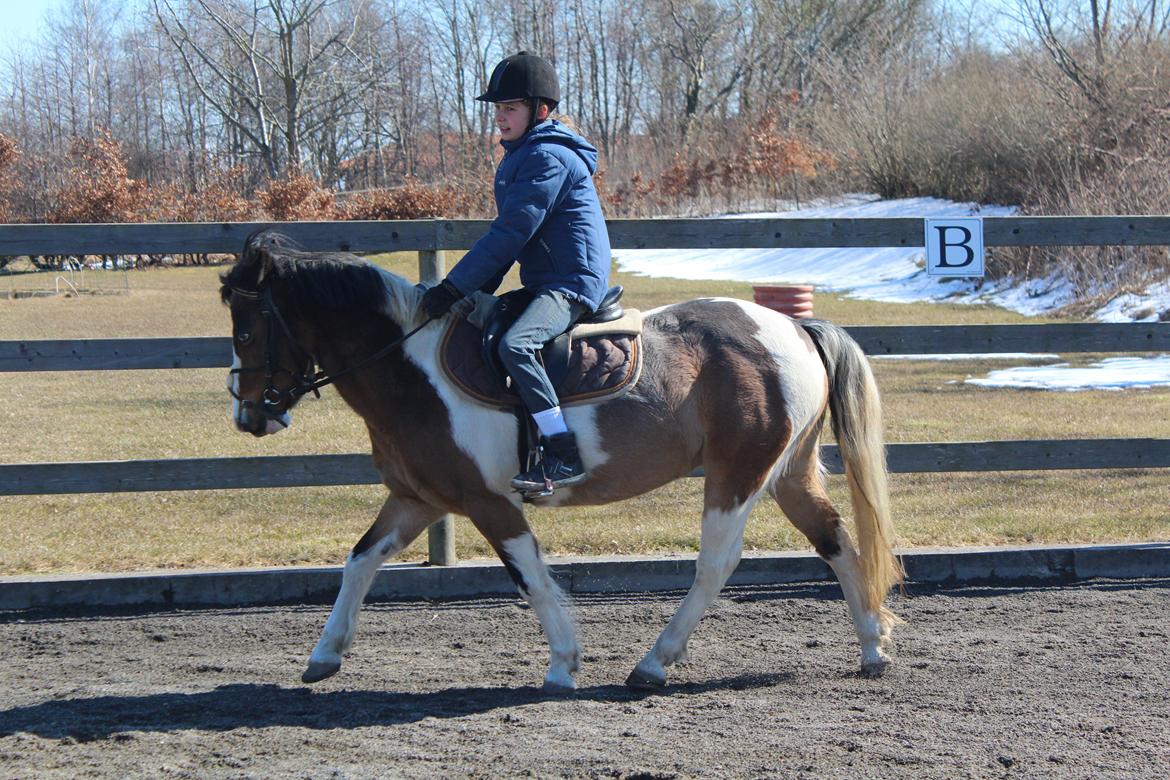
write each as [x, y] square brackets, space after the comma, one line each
[258, 253]
[264, 266]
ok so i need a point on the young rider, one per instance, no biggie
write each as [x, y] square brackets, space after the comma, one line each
[550, 222]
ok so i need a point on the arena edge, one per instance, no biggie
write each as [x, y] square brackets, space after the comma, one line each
[318, 585]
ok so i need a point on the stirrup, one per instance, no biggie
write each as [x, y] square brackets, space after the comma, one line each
[542, 479]
[529, 496]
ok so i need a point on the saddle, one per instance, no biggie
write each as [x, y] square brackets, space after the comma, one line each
[598, 358]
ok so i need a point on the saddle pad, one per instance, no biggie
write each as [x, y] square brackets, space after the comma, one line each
[601, 365]
[630, 323]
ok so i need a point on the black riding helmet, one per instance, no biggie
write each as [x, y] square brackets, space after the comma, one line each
[523, 76]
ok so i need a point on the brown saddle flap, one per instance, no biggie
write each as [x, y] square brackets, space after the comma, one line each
[601, 365]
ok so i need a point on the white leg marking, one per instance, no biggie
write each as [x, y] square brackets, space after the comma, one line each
[546, 600]
[719, 553]
[868, 624]
[355, 584]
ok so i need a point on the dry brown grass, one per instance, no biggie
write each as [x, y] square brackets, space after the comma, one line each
[67, 416]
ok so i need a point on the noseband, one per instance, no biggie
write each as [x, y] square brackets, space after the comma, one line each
[302, 382]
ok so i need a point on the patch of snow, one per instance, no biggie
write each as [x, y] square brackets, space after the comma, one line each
[1031, 297]
[972, 356]
[1128, 307]
[1120, 373]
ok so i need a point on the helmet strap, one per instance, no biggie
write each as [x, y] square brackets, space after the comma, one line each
[534, 105]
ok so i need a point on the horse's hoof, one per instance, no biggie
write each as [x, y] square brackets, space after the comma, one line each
[874, 669]
[643, 681]
[319, 670]
[554, 688]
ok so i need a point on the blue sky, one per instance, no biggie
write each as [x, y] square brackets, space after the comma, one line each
[23, 18]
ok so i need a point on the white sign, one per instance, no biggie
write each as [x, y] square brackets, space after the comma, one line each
[954, 246]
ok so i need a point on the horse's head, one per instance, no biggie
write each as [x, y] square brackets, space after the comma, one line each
[270, 369]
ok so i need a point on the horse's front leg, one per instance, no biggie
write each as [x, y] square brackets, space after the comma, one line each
[399, 522]
[505, 528]
[720, 546]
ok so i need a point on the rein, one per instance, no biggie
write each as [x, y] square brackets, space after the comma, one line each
[302, 383]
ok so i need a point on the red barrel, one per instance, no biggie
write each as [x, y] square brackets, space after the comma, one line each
[795, 300]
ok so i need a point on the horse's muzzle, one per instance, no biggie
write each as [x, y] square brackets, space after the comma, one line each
[259, 421]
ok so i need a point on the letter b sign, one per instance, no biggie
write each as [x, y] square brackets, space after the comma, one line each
[954, 246]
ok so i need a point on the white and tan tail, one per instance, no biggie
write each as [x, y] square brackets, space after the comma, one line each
[855, 406]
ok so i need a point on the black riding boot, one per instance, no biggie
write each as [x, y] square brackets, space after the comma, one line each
[560, 465]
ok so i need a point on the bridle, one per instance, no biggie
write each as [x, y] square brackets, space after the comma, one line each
[303, 382]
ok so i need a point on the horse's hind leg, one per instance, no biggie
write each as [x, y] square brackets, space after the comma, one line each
[720, 546]
[505, 528]
[399, 522]
[803, 499]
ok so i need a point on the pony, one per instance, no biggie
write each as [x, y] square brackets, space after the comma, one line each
[736, 389]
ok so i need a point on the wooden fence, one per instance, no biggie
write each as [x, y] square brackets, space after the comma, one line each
[431, 238]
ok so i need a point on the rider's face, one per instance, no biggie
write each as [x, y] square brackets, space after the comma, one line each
[512, 119]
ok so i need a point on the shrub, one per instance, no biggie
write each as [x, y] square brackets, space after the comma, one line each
[627, 199]
[298, 197]
[412, 200]
[752, 159]
[973, 130]
[9, 154]
[220, 199]
[769, 156]
[97, 186]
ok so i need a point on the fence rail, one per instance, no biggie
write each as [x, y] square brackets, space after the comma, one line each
[215, 351]
[439, 235]
[282, 471]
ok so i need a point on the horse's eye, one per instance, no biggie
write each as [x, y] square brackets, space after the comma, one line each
[243, 337]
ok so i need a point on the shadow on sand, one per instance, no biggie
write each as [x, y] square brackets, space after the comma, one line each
[265, 705]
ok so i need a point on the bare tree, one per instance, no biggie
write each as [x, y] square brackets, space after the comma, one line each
[81, 31]
[789, 38]
[260, 67]
[1091, 48]
[1063, 31]
[606, 56]
[701, 52]
[467, 43]
[532, 26]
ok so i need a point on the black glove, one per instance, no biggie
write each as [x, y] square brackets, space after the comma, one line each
[437, 300]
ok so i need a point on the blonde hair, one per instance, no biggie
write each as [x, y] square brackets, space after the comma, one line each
[564, 119]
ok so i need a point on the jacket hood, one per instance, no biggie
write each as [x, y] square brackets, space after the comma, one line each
[552, 131]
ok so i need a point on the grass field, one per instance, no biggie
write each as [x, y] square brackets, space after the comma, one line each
[118, 415]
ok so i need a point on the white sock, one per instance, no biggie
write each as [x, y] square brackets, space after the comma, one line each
[550, 422]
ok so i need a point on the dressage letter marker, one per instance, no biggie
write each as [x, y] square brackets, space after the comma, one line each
[954, 246]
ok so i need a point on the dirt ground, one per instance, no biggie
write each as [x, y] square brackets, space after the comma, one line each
[1054, 682]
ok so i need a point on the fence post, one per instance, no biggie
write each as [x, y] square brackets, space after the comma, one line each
[441, 534]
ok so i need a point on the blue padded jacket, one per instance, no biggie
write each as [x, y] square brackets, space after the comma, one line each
[549, 220]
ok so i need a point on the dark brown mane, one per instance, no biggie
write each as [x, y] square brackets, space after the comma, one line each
[331, 281]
